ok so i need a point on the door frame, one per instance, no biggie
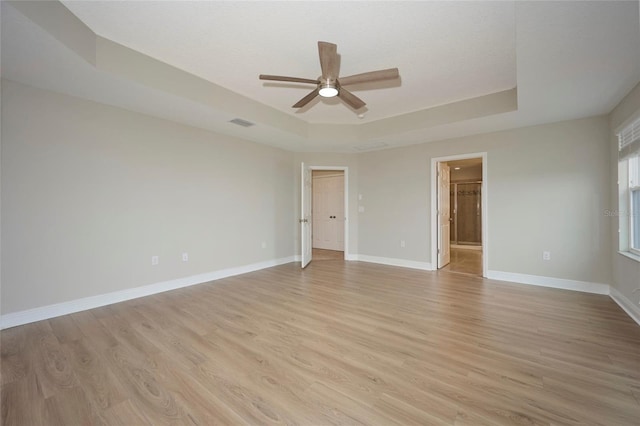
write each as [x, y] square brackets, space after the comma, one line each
[485, 207]
[306, 196]
[345, 171]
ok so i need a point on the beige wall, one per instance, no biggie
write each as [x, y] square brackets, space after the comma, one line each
[547, 190]
[626, 271]
[394, 185]
[91, 192]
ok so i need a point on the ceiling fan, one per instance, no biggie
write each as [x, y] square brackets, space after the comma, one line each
[329, 84]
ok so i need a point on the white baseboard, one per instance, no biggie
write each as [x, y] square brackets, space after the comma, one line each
[347, 256]
[584, 286]
[413, 264]
[627, 305]
[64, 308]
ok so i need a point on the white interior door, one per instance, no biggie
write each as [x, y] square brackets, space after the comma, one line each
[444, 215]
[338, 212]
[305, 215]
[328, 212]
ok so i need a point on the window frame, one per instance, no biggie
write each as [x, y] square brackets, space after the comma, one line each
[631, 188]
[628, 135]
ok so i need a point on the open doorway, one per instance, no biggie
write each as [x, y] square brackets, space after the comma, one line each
[459, 214]
[328, 214]
[465, 206]
[337, 216]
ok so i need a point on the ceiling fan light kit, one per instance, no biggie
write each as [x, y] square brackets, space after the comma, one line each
[329, 84]
[327, 90]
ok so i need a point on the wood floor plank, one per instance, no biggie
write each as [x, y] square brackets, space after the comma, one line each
[198, 405]
[402, 411]
[170, 344]
[236, 393]
[139, 375]
[120, 323]
[96, 380]
[23, 403]
[606, 407]
[71, 406]
[93, 329]
[125, 414]
[336, 407]
[336, 343]
[46, 359]
[65, 329]
[12, 347]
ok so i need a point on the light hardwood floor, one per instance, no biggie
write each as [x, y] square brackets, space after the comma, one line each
[322, 254]
[466, 261]
[336, 343]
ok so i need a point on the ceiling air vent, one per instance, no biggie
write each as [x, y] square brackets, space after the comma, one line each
[241, 122]
[370, 146]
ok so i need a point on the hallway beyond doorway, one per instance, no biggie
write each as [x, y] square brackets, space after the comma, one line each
[322, 254]
[467, 260]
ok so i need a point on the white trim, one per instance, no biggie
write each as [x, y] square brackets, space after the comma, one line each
[630, 255]
[583, 286]
[350, 256]
[627, 305]
[71, 306]
[404, 263]
[484, 201]
[345, 170]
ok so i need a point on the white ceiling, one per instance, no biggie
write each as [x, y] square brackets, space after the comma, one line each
[567, 60]
[445, 51]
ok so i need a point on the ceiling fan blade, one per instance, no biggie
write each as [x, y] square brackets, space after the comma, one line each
[350, 99]
[328, 60]
[291, 79]
[302, 102]
[366, 77]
